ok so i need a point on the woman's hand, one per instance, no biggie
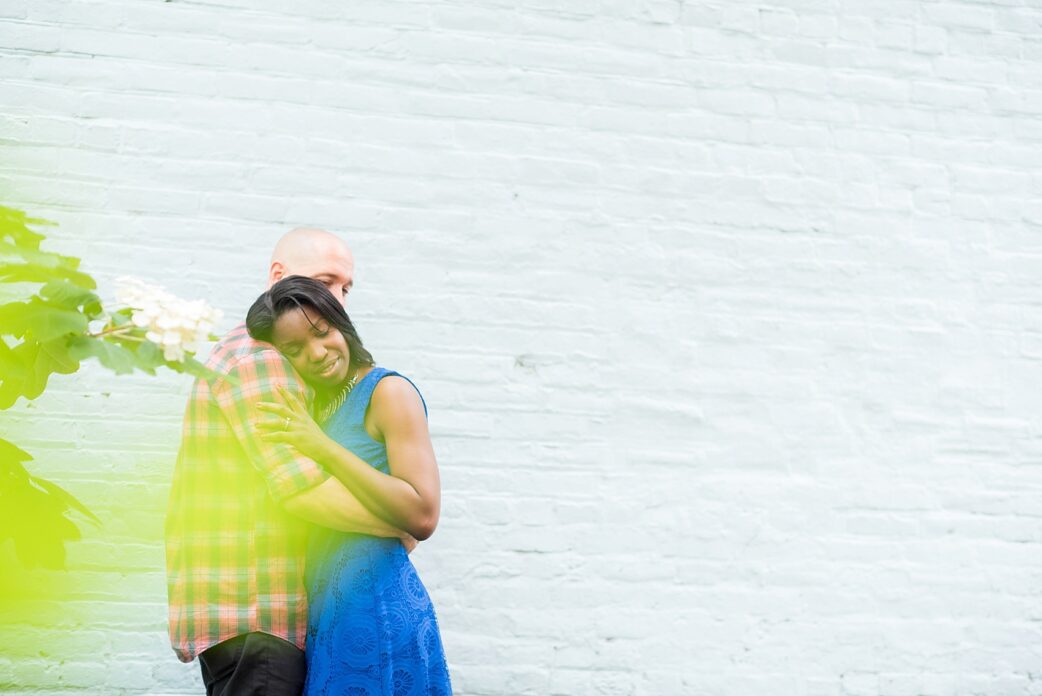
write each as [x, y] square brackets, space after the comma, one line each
[293, 425]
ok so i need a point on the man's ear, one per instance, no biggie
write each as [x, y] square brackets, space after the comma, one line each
[276, 273]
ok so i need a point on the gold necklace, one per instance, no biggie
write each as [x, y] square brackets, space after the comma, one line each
[338, 400]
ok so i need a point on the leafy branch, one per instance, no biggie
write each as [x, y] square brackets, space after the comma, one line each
[57, 322]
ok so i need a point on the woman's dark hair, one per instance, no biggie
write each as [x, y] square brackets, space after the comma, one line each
[294, 292]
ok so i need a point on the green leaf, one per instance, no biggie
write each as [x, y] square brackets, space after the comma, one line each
[35, 520]
[68, 295]
[112, 355]
[121, 317]
[57, 351]
[93, 309]
[51, 323]
[47, 322]
[149, 356]
[41, 319]
[46, 259]
[10, 390]
[41, 361]
[9, 452]
[35, 273]
[14, 386]
[43, 367]
[14, 319]
[44, 545]
[10, 365]
[14, 224]
[66, 498]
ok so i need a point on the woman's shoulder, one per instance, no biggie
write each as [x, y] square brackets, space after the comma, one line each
[394, 390]
[392, 382]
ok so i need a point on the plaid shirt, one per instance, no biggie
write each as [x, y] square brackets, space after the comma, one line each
[235, 558]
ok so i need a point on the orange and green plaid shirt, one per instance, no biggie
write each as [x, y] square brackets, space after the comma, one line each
[235, 558]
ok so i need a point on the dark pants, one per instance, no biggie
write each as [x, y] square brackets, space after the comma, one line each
[253, 664]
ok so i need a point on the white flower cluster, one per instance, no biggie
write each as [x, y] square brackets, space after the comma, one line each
[175, 325]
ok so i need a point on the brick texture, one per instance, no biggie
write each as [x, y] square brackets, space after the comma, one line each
[728, 316]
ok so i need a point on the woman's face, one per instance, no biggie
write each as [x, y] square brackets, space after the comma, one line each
[316, 349]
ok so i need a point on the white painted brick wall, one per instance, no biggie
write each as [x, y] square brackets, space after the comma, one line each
[728, 315]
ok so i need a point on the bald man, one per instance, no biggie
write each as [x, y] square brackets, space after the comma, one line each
[239, 506]
[317, 254]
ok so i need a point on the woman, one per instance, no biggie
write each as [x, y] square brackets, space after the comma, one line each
[371, 625]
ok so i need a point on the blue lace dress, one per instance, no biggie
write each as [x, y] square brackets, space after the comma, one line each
[371, 625]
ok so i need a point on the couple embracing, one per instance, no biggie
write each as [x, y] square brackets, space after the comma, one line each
[305, 477]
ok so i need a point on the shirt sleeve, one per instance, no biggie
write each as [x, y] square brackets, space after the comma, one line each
[256, 377]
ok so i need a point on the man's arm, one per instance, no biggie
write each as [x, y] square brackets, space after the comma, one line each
[294, 481]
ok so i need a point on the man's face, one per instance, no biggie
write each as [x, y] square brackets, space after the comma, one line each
[329, 263]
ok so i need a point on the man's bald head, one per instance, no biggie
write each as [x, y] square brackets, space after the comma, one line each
[315, 253]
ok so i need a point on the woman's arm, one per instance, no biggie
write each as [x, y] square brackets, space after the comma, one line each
[331, 504]
[410, 497]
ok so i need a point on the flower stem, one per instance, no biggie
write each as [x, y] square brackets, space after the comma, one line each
[111, 330]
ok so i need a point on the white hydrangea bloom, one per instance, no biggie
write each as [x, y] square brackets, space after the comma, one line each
[175, 325]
